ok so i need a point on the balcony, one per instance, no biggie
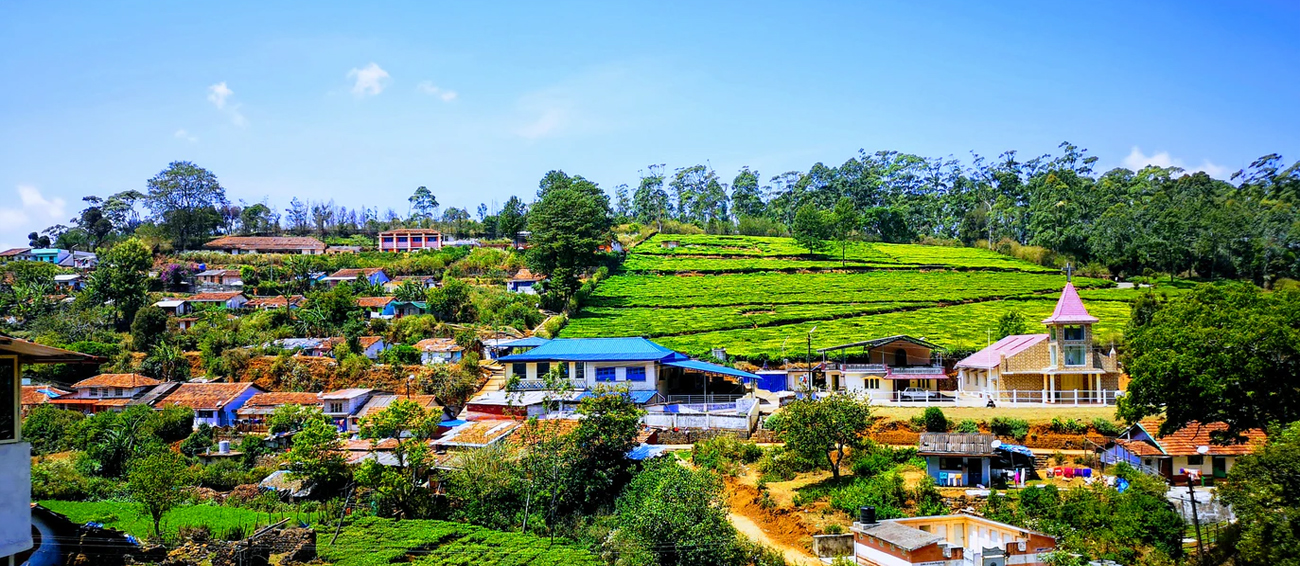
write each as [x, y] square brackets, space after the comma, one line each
[864, 368]
[917, 370]
[537, 384]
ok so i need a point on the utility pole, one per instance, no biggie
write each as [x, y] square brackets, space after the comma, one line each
[809, 358]
[1196, 519]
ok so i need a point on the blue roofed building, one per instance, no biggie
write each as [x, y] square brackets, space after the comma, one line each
[635, 363]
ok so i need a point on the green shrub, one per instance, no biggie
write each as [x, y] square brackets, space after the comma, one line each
[1105, 427]
[198, 441]
[725, 453]
[886, 492]
[67, 479]
[1006, 426]
[1067, 426]
[935, 421]
[968, 426]
[779, 464]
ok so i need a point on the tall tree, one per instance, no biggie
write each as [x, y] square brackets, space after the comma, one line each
[513, 218]
[568, 225]
[845, 222]
[824, 430]
[746, 196]
[184, 199]
[1264, 491]
[158, 483]
[811, 228]
[423, 205]
[122, 279]
[650, 202]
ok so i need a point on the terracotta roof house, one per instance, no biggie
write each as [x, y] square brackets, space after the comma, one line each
[15, 254]
[426, 281]
[235, 245]
[377, 307]
[104, 392]
[380, 402]
[410, 239]
[231, 299]
[36, 395]
[523, 282]
[218, 279]
[1191, 449]
[960, 538]
[216, 404]
[343, 403]
[439, 351]
[261, 405]
[374, 275]
[1062, 366]
[276, 302]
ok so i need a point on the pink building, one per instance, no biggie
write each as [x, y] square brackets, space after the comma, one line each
[410, 239]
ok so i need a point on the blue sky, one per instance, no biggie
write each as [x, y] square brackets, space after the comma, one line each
[362, 103]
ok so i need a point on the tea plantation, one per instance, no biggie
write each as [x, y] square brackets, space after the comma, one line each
[754, 295]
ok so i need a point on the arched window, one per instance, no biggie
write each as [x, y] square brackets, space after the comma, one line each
[900, 357]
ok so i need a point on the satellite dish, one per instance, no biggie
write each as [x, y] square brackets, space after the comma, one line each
[997, 444]
[1202, 450]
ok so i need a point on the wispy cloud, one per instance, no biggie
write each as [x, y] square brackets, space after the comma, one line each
[181, 134]
[368, 81]
[217, 95]
[427, 87]
[34, 213]
[598, 101]
[1137, 160]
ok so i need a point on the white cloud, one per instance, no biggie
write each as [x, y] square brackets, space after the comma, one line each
[427, 87]
[181, 134]
[1137, 160]
[35, 212]
[368, 81]
[218, 93]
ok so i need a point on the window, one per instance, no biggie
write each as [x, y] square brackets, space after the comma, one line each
[579, 370]
[8, 399]
[1074, 333]
[871, 383]
[1052, 331]
[519, 369]
[1075, 355]
[204, 414]
[1053, 352]
[636, 374]
[117, 391]
[606, 374]
[950, 463]
[543, 368]
[336, 407]
[1197, 460]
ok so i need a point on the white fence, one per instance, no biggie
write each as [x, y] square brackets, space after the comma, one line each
[745, 418]
[1070, 397]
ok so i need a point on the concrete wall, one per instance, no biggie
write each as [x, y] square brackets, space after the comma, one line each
[828, 546]
[15, 498]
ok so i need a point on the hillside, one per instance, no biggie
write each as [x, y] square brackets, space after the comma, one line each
[752, 294]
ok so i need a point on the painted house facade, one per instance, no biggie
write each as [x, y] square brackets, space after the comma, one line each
[943, 540]
[174, 307]
[15, 254]
[216, 404]
[232, 300]
[439, 351]
[1062, 366]
[219, 279]
[1191, 449]
[374, 275]
[410, 239]
[958, 459]
[340, 405]
[899, 367]
[49, 255]
[276, 302]
[235, 245]
[106, 392]
[80, 260]
[16, 453]
[524, 281]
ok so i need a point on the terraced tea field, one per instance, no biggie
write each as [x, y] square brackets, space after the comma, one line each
[758, 297]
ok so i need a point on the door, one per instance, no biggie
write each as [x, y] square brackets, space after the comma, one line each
[1220, 466]
[900, 357]
[974, 471]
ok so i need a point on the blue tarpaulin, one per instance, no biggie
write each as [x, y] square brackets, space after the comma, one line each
[1016, 449]
[646, 452]
[449, 424]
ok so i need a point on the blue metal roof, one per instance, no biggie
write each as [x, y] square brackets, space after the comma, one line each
[711, 368]
[529, 342]
[640, 396]
[596, 350]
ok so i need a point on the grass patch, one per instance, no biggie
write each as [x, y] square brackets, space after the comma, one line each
[128, 517]
[371, 541]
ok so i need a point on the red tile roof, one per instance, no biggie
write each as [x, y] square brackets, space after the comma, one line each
[356, 272]
[526, 275]
[1070, 309]
[214, 297]
[205, 395]
[410, 231]
[275, 302]
[282, 398]
[438, 345]
[1138, 447]
[1185, 441]
[14, 251]
[124, 380]
[373, 302]
[34, 394]
[266, 243]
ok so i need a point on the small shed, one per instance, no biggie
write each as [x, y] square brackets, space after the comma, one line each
[958, 459]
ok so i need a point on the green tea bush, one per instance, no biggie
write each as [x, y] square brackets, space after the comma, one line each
[968, 426]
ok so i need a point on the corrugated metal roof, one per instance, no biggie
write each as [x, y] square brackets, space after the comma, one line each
[530, 342]
[991, 356]
[711, 368]
[596, 350]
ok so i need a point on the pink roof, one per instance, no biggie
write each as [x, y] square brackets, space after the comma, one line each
[991, 356]
[1069, 309]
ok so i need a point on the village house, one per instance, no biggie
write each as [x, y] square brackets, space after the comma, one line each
[377, 307]
[235, 245]
[374, 275]
[379, 402]
[1191, 449]
[48, 255]
[898, 368]
[219, 279]
[216, 404]
[439, 351]
[15, 453]
[80, 260]
[15, 254]
[255, 412]
[635, 363]
[106, 392]
[958, 459]
[946, 539]
[68, 283]
[276, 302]
[34, 396]
[410, 239]
[523, 281]
[342, 404]
[233, 300]
[1061, 366]
[425, 281]
[174, 307]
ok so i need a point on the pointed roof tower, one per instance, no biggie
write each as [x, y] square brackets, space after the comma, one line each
[1070, 309]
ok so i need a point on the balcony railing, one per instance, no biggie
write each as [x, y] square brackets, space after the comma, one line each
[537, 384]
[866, 368]
[916, 370]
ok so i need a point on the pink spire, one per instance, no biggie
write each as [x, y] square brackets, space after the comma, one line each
[1069, 309]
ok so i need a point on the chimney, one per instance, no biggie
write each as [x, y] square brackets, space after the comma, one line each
[867, 515]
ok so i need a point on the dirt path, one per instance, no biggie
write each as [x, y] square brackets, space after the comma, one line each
[751, 529]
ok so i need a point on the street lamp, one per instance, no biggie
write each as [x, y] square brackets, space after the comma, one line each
[1196, 519]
